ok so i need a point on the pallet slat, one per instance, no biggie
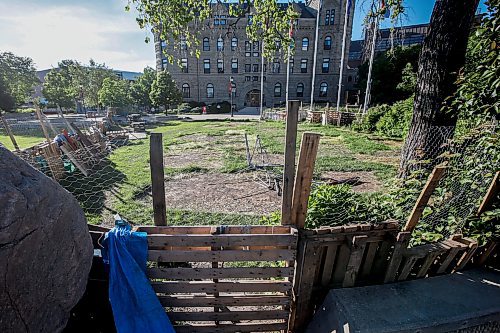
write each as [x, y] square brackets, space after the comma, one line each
[257, 286]
[250, 229]
[225, 328]
[220, 273]
[223, 240]
[225, 255]
[211, 301]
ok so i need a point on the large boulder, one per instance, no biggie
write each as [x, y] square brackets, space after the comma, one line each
[45, 249]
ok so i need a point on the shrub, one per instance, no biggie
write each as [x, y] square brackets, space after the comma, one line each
[224, 107]
[369, 122]
[396, 121]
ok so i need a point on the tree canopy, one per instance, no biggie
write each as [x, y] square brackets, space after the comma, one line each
[164, 92]
[7, 102]
[114, 92]
[18, 75]
[57, 89]
[140, 89]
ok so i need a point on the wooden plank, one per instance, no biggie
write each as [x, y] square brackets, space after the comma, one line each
[407, 267]
[341, 264]
[189, 230]
[468, 253]
[157, 178]
[224, 255]
[490, 194]
[220, 273]
[369, 259]
[227, 315]
[231, 328]
[289, 161]
[382, 259]
[254, 286]
[42, 124]
[73, 159]
[9, 132]
[222, 240]
[331, 254]
[429, 260]
[303, 178]
[400, 246]
[220, 301]
[424, 197]
[487, 252]
[450, 256]
[354, 263]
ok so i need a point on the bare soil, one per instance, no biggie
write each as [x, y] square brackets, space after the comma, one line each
[367, 182]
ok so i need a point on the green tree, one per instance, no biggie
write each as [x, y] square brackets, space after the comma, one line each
[7, 102]
[57, 89]
[18, 75]
[164, 92]
[140, 89]
[96, 74]
[408, 80]
[114, 92]
[387, 72]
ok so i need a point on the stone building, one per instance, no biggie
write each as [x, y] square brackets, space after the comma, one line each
[227, 53]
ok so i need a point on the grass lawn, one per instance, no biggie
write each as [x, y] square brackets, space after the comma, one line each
[217, 148]
[23, 141]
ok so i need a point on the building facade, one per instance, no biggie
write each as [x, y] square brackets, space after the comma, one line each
[226, 53]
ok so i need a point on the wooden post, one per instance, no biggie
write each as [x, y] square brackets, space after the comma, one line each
[303, 178]
[42, 124]
[424, 197]
[490, 194]
[289, 169]
[157, 178]
[9, 132]
[401, 245]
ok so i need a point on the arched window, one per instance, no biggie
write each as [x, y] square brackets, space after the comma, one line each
[234, 44]
[186, 91]
[210, 90]
[327, 45]
[300, 90]
[183, 43]
[220, 44]
[277, 90]
[323, 89]
[305, 44]
[206, 44]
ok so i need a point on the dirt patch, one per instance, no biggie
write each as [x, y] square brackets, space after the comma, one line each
[200, 158]
[367, 181]
[225, 193]
[386, 157]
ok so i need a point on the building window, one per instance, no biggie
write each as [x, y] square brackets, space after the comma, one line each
[247, 78]
[186, 91]
[248, 68]
[327, 17]
[220, 44]
[277, 90]
[248, 49]
[332, 17]
[163, 44]
[291, 65]
[323, 89]
[300, 90]
[327, 45]
[276, 66]
[164, 63]
[255, 68]
[206, 44]
[255, 47]
[305, 44]
[303, 66]
[349, 78]
[220, 66]
[255, 78]
[184, 65]
[234, 44]
[210, 90]
[325, 68]
[206, 66]
[250, 20]
[234, 65]
[183, 43]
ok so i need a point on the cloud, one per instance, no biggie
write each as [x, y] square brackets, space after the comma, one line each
[48, 34]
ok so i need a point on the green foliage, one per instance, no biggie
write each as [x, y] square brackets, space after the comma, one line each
[396, 122]
[180, 22]
[387, 73]
[141, 88]
[478, 96]
[7, 101]
[57, 89]
[164, 91]
[369, 122]
[19, 78]
[408, 80]
[114, 92]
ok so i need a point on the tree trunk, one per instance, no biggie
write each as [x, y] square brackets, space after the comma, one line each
[441, 58]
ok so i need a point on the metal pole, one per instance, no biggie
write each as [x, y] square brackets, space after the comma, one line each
[287, 77]
[372, 55]
[346, 19]
[315, 55]
[262, 81]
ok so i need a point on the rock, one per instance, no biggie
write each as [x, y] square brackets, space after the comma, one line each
[45, 249]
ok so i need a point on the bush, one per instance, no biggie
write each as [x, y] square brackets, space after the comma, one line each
[196, 109]
[224, 107]
[369, 122]
[193, 104]
[396, 121]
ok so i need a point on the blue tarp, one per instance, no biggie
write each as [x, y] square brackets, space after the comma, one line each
[136, 308]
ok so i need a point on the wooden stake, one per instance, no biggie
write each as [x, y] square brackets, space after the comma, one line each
[424, 197]
[289, 170]
[157, 178]
[9, 132]
[40, 119]
[303, 178]
[490, 194]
